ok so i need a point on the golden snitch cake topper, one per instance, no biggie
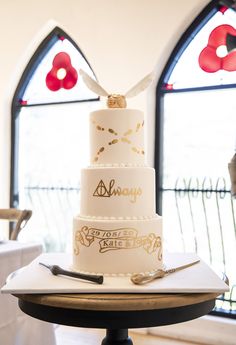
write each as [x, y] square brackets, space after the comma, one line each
[116, 100]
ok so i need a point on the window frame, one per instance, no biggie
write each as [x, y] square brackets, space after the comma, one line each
[181, 45]
[16, 107]
[201, 19]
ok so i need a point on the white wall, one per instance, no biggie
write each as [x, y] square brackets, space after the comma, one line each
[123, 40]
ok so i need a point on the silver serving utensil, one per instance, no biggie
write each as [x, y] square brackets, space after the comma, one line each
[143, 278]
[55, 269]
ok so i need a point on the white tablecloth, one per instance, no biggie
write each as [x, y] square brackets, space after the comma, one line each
[17, 328]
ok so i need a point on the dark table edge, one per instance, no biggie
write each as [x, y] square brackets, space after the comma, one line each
[116, 319]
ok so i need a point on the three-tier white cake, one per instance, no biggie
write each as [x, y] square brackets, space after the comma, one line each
[117, 231]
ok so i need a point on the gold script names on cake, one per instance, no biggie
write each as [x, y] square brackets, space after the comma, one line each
[113, 191]
[121, 238]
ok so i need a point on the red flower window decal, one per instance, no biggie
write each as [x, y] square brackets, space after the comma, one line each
[214, 56]
[62, 74]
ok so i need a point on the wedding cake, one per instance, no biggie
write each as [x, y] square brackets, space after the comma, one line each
[117, 231]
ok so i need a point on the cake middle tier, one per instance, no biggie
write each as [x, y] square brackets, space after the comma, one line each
[118, 192]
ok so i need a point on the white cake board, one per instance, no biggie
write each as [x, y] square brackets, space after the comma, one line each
[35, 278]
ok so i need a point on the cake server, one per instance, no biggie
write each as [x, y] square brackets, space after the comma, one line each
[143, 278]
[55, 269]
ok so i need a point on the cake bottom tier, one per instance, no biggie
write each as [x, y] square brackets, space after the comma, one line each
[117, 247]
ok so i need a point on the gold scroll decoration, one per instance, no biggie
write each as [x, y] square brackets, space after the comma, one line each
[117, 239]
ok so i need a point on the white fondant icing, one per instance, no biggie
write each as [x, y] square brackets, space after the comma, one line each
[117, 137]
[118, 165]
[117, 246]
[117, 232]
[118, 192]
[119, 218]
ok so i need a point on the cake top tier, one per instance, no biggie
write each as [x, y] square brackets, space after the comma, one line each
[116, 133]
[117, 137]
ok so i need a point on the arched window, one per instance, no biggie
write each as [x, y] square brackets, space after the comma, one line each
[195, 140]
[50, 138]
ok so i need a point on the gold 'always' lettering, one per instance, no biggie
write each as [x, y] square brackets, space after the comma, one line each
[102, 191]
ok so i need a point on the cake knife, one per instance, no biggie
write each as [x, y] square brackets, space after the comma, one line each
[143, 278]
[55, 269]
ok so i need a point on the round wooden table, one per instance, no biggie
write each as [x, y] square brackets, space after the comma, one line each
[117, 312]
